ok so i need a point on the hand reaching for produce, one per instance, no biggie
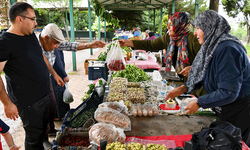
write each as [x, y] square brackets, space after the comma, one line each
[125, 42]
[185, 71]
[176, 92]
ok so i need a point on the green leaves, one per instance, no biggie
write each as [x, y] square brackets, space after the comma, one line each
[100, 11]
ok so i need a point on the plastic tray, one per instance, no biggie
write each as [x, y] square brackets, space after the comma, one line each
[170, 111]
[83, 113]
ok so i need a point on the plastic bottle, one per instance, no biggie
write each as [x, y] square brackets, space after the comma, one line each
[163, 89]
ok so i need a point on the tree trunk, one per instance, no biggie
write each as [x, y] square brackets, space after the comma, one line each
[248, 33]
[214, 5]
[66, 28]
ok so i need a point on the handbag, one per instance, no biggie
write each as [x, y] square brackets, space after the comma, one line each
[220, 135]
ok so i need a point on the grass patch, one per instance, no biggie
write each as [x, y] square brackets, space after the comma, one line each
[72, 73]
[248, 49]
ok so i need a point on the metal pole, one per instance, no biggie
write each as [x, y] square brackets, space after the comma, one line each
[196, 7]
[173, 6]
[72, 32]
[161, 23]
[149, 20]
[90, 32]
[78, 27]
[12, 2]
[99, 28]
[105, 30]
[196, 10]
[48, 17]
[154, 20]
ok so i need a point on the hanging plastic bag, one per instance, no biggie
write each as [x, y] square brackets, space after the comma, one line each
[67, 96]
[116, 62]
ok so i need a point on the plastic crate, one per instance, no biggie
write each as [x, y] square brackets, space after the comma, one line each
[85, 111]
[95, 72]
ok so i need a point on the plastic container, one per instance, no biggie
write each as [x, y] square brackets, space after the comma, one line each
[83, 113]
[163, 89]
[95, 72]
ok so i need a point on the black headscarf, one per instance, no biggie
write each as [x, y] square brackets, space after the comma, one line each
[216, 29]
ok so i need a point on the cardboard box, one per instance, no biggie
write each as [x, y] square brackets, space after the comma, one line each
[86, 64]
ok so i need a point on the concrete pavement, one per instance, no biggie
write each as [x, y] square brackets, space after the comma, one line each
[77, 86]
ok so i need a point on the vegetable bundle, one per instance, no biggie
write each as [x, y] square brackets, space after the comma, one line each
[132, 73]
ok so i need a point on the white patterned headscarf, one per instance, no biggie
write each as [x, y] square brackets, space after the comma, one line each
[216, 29]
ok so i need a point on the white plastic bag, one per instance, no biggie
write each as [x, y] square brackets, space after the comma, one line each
[116, 61]
[67, 96]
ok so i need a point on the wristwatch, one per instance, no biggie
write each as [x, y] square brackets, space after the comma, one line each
[85, 45]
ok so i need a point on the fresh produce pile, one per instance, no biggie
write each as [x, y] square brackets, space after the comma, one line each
[116, 65]
[74, 140]
[116, 146]
[132, 73]
[136, 146]
[151, 146]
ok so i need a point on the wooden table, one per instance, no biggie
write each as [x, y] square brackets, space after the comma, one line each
[168, 125]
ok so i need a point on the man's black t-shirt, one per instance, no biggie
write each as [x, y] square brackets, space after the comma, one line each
[25, 67]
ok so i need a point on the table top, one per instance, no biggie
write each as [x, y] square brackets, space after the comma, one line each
[145, 64]
[168, 125]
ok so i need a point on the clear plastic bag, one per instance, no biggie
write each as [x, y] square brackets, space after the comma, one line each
[119, 106]
[103, 131]
[108, 115]
[116, 61]
[67, 96]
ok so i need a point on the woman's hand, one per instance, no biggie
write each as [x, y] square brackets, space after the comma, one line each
[192, 107]
[125, 42]
[176, 92]
[185, 71]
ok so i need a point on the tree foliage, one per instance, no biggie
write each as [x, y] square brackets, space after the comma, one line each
[235, 7]
[4, 8]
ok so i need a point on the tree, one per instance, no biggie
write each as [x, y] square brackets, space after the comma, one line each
[129, 18]
[234, 8]
[214, 5]
[61, 5]
[4, 8]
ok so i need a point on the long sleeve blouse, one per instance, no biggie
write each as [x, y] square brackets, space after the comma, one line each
[227, 77]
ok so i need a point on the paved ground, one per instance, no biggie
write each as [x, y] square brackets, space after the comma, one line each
[77, 86]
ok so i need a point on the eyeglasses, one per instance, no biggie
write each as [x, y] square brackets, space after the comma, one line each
[32, 19]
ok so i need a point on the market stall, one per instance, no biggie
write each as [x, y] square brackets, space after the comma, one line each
[130, 112]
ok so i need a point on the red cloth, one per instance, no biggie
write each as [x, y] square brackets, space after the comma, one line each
[179, 139]
[145, 64]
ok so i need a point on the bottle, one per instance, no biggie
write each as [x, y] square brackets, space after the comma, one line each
[163, 89]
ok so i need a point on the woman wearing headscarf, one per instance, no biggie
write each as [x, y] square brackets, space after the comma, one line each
[223, 68]
[181, 45]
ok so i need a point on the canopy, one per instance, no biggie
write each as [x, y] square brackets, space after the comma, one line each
[135, 4]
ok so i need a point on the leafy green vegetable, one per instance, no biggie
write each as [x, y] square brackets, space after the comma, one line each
[102, 56]
[91, 87]
[132, 73]
[100, 82]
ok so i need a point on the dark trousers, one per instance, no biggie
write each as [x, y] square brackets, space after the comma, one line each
[35, 120]
[52, 110]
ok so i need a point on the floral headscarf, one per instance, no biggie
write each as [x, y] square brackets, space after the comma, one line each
[216, 29]
[181, 26]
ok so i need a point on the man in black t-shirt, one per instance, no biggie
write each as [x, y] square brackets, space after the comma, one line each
[22, 61]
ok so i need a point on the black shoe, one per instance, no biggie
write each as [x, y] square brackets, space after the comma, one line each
[47, 145]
